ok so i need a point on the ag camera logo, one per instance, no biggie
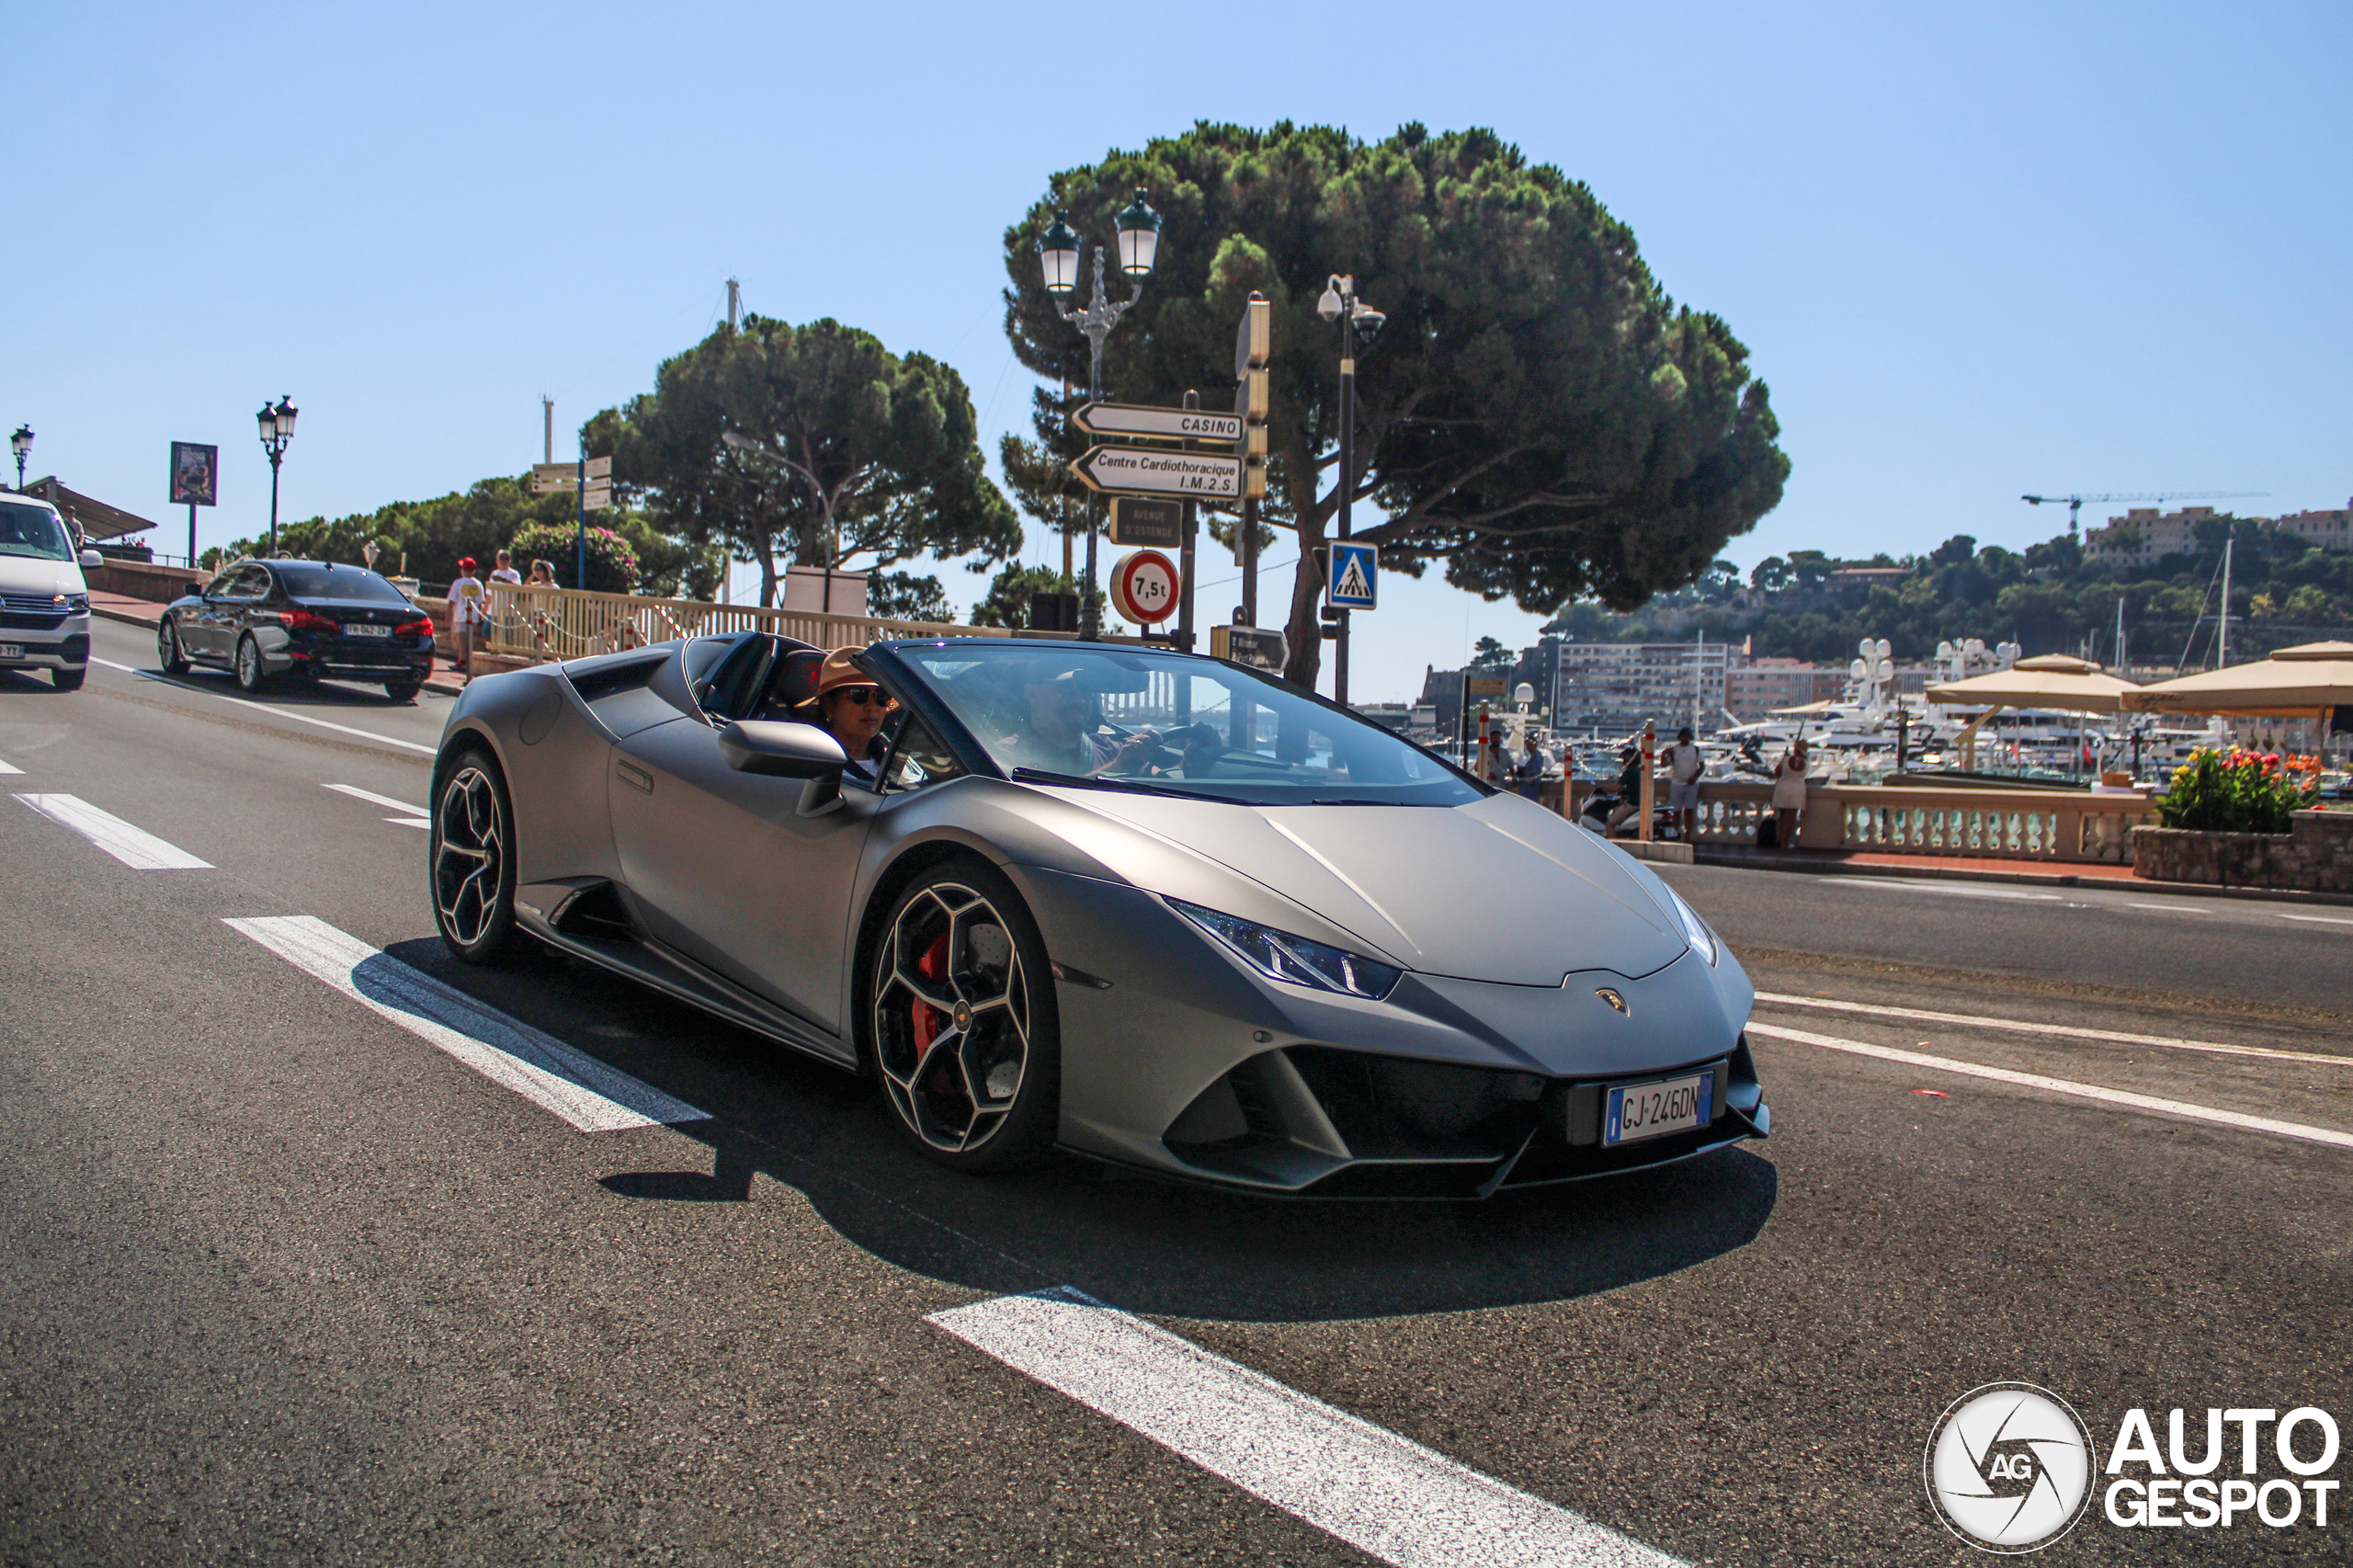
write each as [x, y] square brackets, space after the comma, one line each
[2009, 1467]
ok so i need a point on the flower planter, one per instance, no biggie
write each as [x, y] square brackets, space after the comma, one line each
[2314, 856]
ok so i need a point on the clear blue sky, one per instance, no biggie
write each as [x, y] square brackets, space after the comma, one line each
[1975, 251]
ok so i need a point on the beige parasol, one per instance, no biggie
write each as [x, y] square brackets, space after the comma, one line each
[2047, 681]
[2306, 680]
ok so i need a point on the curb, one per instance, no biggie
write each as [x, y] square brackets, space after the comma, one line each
[1932, 872]
[108, 613]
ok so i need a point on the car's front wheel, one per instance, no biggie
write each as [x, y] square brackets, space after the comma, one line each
[249, 671]
[966, 1038]
[169, 655]
[69, 680]
[473, 861]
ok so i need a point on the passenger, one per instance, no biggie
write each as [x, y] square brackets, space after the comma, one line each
[851, 708]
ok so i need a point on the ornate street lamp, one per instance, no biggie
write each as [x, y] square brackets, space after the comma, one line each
[21, 443]
[1137, 228]
[277, 429]
[1357, 322]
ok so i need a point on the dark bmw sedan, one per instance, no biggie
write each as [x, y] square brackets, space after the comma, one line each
[311, 619]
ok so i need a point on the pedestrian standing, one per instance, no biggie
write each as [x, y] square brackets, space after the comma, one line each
[1788, 794]
[1629, 786]
[465, 613]
[504, 571]
[1530, 777]
[542, 573]
[1684, 765]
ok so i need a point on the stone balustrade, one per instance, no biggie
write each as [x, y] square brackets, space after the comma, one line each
[1974, 821]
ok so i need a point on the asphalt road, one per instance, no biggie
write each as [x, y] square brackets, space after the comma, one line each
[283, 1283]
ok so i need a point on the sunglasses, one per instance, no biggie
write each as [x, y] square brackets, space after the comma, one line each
[864, 696]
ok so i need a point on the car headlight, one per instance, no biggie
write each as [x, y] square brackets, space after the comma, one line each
[1695, 930]
[1294, 961]
[77, 604]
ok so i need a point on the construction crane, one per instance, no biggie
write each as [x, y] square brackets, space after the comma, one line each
[2074, 504]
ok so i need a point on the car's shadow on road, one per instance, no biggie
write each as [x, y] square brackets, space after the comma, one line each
[1140, 1243]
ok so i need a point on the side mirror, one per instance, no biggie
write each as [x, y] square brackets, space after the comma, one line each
[782, 750]
[91, 560]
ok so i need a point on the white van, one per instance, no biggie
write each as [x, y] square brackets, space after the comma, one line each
[44, 603]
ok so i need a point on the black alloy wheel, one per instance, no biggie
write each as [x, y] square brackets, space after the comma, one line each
[248, 665]
[472, 860]
[170, 657]
[965, 1035]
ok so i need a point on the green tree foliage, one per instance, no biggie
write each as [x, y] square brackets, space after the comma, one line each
[612, 564]
[1538, 414]
[1488, 654]
[902, 596]
[1008, 601]
[427, 538]
[849, 450]
[2050, 597]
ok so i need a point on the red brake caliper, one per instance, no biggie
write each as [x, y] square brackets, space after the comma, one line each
[932, 966]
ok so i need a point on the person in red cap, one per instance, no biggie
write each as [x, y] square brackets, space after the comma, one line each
[465, 613]
[851, 708]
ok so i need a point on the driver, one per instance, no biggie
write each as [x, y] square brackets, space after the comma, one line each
[1051, 727]
[851, 708]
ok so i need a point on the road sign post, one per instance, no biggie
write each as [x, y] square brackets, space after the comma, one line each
[1145, 587]
[1144, 471]
[1254, 342]
[1353, 577]
[1139, 521]
[1187, 424]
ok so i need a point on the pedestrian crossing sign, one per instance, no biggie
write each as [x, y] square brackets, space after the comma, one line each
[1355, 576]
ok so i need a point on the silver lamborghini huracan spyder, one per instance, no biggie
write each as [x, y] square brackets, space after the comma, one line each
[1155, 909]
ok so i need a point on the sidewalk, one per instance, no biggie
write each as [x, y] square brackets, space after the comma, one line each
[1982, 869]
[445, 678]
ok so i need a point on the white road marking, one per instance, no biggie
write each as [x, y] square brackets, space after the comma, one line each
[588, 1094]
[2175, 908]
[2125, 1097]
[9, 767]
[412, 822]
[1882, 884]
[1379, 1493]
[2019, 1025]
[265, 707]
[135, 847]
[373, 798]
[2318, 919]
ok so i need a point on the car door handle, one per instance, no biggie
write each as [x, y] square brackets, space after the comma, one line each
[637, 776]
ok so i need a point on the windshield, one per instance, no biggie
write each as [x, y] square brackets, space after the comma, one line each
[1108, 717]
[338, 583]
[33, 531]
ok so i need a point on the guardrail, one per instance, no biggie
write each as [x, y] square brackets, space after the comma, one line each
[1992, 823]
[569, 623]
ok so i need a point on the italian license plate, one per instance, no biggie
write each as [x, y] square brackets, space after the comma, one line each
[360, 628]
[1636, 1111]
[12, 650]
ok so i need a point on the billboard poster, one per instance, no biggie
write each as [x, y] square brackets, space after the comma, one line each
[196, 470]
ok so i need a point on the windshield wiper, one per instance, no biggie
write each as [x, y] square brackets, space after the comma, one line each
[1086, 782]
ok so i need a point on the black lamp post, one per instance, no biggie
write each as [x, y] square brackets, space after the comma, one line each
[22, 444]
[277, 429]
[1358, 321]
[1137, 228]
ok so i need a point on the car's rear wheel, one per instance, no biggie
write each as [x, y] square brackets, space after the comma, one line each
[69, 680]
[473, 861]
[403, 690]
[966, 1038]
[169, 655]
[249, 671]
